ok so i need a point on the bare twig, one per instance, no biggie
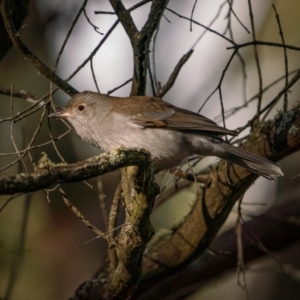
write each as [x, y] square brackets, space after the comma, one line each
[102, 203]
[230, 2]
[94, 76]
[209, 25]
[234, 110]
[273, 102]
[199, 24]
[69, 34]
[174, 74]
[22, 95]
[192, 13]
[262, 43]
[112, 223]
[240, 250]
[75, 210]
[285, 101]
[118, 87]
[257, 61]
[96, 28]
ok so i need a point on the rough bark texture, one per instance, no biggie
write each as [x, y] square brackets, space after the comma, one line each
[140, 40]
[48, 173]
[178, 247]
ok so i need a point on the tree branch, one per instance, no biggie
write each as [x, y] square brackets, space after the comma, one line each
[48, 174]
[174, 74]
[141, 47]
[277, 229]
[139, 196]
[262, 43]
[175, 249]
[125, 19]
[120, 278]
[185, 242]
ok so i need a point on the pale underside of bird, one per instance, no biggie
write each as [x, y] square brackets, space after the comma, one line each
[171, 134]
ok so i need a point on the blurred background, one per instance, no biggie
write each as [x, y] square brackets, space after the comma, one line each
[53, 264]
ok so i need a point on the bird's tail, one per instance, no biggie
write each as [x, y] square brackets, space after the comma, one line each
[252, 162]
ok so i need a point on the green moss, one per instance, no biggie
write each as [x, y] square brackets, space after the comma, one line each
[293, 130]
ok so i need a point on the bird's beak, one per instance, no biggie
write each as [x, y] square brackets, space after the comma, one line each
[60, 114]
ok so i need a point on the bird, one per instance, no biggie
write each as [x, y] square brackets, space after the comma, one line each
[171, 134]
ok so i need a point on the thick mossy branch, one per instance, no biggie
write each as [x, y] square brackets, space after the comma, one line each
[139, 195]
[48, 174]
[179, 246]
[120, 279]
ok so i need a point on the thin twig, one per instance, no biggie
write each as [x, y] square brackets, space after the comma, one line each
[80, 215]
[112, 224]
[118, 87]
[153, 78]
[69, 34]
[201, 25]
[257, 61]
[273, 102]
[262, 43]
[192, 14]
[22, 95]
[234, 110]
[29, 148]
[93, 53]
[94, 76]
[210, 25]
[174, 74]
[102, 203]
[230, 2]
[12, 135]
[96, 28]
[285, 99]
[242, 61]
[219, 85]
[134, 7]
[240, 251]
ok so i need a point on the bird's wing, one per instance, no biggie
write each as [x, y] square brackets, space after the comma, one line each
[184, 120]
[164, 115]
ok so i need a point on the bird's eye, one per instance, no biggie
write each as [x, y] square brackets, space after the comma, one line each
[81, 107]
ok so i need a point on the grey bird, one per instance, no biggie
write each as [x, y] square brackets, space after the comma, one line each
[170, 133]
